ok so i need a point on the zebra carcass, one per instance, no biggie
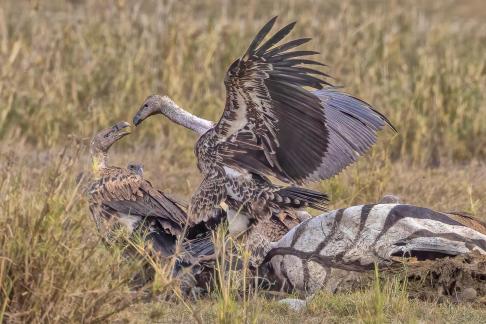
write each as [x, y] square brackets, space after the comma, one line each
[336, 249]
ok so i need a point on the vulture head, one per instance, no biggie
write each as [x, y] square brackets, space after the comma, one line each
[104, 139]
[153, 105]
[136, 168]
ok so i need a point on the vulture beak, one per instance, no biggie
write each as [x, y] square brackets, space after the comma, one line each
[151, 106]
[142, 113]
[122, 128]
[137, 119]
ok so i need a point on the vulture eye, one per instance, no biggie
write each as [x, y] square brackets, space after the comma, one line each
[145, 106]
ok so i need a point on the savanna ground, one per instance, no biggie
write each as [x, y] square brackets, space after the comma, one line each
[70, 68]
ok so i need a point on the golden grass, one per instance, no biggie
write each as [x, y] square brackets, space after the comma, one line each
[70, 68]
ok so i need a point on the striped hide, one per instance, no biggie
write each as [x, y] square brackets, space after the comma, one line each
[327, 250]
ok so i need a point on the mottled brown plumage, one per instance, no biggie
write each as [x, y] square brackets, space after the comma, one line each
[119, 195]
[282, 120]
[126, 193]
[265, 102]
[122, 197]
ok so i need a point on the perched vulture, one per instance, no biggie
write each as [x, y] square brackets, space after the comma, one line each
[123, 196]
[281, 119]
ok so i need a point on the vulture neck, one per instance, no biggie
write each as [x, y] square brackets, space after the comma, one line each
[98, 163]
[178, 115]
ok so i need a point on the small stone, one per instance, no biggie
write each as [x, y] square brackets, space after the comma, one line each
[389, 199]
[469, 294]
[294, 304]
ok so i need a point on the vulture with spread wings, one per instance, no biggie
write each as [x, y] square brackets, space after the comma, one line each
[281, 120]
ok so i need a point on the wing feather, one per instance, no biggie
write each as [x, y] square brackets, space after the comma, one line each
[287, 46]
[261, 35]
[283, 119]
[277, 37]
[353, 127]
[128, 193]
[210, 193]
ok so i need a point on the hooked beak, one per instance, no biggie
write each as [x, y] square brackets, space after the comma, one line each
[137, 119]
[140, 115]
[122, 128]
[143, 113]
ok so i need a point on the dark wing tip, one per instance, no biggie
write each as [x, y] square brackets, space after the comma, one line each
[277, 37]
[389, 123]
[382, 116]
[260, 36]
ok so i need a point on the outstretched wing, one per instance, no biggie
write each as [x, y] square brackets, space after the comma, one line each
[128, 193]
[352, 127]
[274, 125]
[207, 198]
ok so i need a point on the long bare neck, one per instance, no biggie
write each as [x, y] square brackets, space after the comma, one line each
[98, 163]
[178, 115]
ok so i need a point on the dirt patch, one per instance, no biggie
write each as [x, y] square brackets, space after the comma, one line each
[458, 279]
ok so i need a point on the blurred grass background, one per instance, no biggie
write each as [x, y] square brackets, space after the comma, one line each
[70, 68]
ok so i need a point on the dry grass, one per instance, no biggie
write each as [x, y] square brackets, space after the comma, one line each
[70, 68]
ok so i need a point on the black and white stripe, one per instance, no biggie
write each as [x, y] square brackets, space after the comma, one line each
[324, 250]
